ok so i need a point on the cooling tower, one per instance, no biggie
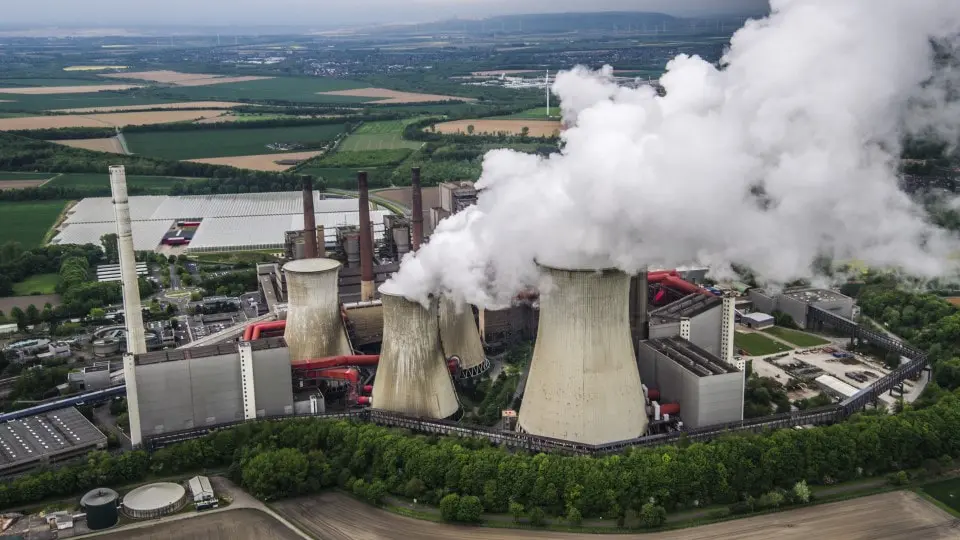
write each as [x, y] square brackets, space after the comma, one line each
[314, 328]
[460, 337]
[583, 383]
[412, 377]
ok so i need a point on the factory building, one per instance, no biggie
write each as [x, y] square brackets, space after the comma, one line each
[111, 272]
[795, 302]
[696, 317]
[46, 438]
[708, 390]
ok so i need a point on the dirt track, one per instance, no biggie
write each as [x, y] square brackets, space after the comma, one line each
[891, 516]
[241, 524]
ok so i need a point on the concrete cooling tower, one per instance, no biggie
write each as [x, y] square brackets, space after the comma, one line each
[461, 338]
[583, 383]
[412, 377]
[314, 328]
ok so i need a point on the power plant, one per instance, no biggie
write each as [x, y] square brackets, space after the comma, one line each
[133, 315]
[460, 338]
[314, 328]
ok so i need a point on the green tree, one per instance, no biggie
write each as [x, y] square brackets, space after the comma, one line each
[450, 507]
[33, 314]
[574, 517]
[469, 509]
[652, 515]
[537, 516]
[948, 374]
[111, 249]
[470, 129]
[19, 317]
[276, 474]
[516, 510]
[10, 251]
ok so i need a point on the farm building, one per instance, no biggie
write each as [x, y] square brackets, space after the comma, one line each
[233, 222]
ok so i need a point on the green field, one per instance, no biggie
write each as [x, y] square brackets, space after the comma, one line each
[75, 101]
[28, 222]
[947, 492]
[11, 83]
[227, 142]
[38, 284]
[379, 136]
[758, 344]
[540, 113]
[157, 184]
[800, 339]
[365, 158]
[7, 176]
[293, 89]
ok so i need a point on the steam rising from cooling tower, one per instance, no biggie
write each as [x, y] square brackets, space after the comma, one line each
[460, 337]
[314, 328]
[583, 383]
[786, 153]
[412, 377]
[132, 311]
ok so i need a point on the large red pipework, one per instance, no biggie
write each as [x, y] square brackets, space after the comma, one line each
[672, 409]
[252, 332]
[653, 394]
[338, 361]
[346, 374]
[368, 389]
[364, 400]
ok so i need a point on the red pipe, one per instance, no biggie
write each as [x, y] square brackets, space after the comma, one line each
[368, 389]
[259, 328]
[453, 364]
[653, 394]
[338, 361]
[364, 400]
[670, 408]
[346, 374]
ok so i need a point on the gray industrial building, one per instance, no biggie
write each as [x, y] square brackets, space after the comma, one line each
[46, 438]
[795, 302]
[696, 317]
[708, 390]
[171, 391]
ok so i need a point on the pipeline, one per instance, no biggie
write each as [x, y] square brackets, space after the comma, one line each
[261, 327]
[338, 361]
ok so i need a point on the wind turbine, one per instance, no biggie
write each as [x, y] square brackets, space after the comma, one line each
[547, 84]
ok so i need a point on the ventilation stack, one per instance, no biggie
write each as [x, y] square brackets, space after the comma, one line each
[314, 328]
[412, 378]
[309, 219]
[367, 287]
[132, 311]
[461, 338]
[583, 384]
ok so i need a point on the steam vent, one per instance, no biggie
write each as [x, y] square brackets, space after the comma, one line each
[584, 384]
[461, 338]
[314, 327]
[412, 377]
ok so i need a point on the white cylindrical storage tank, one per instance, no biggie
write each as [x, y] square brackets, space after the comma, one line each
[460, 337]
[314, 327]
[584, 384]
[154, 500]
[412, 377]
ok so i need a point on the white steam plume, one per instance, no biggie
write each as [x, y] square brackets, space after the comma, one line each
[786, 153]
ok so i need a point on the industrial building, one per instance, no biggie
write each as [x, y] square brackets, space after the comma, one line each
[698, 318]
[111, 272]
[758, 321]
[202, 493]
[795, 302]
[46, 438]
[707, 389]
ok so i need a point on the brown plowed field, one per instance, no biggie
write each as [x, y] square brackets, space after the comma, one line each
[41, 90]
[240, 524]
[538, 128]
[111, 144]
[101, 120]
[393, 96]
[900, 515]
[181, 79]
[19, 184]
[9, 302]
[261, 162]
[183, 105]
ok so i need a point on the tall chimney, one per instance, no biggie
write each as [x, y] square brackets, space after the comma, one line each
[136, 342]
[367, 288]
[417, 210]
[309, 220]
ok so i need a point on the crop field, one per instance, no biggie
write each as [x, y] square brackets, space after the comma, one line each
[153, 184]
[293, 89]
[28, 222]
[51, 81]
[110, 144]
[262, 162]
[379, 136]
[383, 96]
[756, 344]
[79, 89]
[216, 143]
[38, 284]
[109, 100]
[540, 113]
[177, 105]
[366, 158]
[19, 184]
[538, 128]
[800, 339]
[12, 176]
[181, 79]
[101, 120]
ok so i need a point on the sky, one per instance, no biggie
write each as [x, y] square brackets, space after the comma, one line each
[323, 12]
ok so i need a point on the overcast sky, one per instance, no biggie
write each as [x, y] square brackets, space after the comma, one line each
[321, 12]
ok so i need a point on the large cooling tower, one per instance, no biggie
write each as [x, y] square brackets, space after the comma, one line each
[412, 377]
[583, 383]
[460, 337]
[314, 327]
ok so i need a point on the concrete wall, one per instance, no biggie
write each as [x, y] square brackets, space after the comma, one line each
[706, 331]
[841, 306]
[215, 383]
[664, 330]
[762, 301]
[797, 309]
[720, 400]
[274, 387]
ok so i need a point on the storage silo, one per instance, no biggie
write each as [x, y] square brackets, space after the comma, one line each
[460, 337]
[100, 506]
[412, 377]
[314, 327]
[584, 384]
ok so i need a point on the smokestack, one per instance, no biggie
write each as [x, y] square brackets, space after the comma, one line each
[412, 377]
[309, 220]
[314, 328]
[638, 306]
[367, 289]
[584, 384]
[461, 338]
[133, 315]
[417, 210]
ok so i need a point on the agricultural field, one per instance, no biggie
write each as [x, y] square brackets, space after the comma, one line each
[294, 89]
[80, 89]
[262, 162]
[44, 81]
[101, 120]
[365, 158]
[383, 96]
[19, 180]
[38, 284]
[217, 143]
[103, 100]
[800, 339]
[152, 184]
[379, 136]
[177, 105]
[537, 128]
[28, 222]
[110, 144]
[756, 344]
[540, 113]
[177, 78]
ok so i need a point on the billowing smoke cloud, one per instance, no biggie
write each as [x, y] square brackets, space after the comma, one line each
[786, 153]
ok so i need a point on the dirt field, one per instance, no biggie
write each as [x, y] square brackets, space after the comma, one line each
[181, 79]
[111, 144]
[183, 105]
[955, 300]
[9, 302]
[43, 90]
[241, 524]
[891, 516]
[393, 96]
[538, 128]
[19, 184]
[262, 162]
[100, 120]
